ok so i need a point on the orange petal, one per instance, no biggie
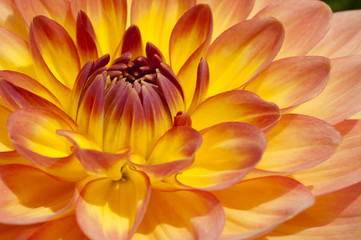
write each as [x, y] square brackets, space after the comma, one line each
[12, 157]
[291, 81]
[110, 209]
[108, 18]
[341, 97]
[189, 41]
[48, 38]
[255, 207]
[305, 23]
[228, 13]
[228, 152]
[173, 152]
[242, 51]
[132, 42]
[181, 214]
[5, 143]
[343, 37]
[31, 196]
[18, 232]
[235, 106]
[156, 20]
[334, 216]
[299, 142]
[11, 19]
[14, 53]
[342, 169]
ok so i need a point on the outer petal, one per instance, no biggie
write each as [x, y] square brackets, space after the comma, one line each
[291, 81]
[242, 51]
[343, 37]
[298, 142]
[228, 13]
[173, 152]
[11, 19]
[257, 206]
[228, 152]
[341, 97]
[235, 106]
[5, 143]
[342, 169]
[110, 209]
[182, 215]
[18, 232]
[305, 23]
[334, 216]
[31, 196]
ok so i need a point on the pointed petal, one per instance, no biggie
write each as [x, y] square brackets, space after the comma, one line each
[14, 53]
[342, 169]
[305, 23]
[235, 106]
[64, 228]
[132, 42]
[49, 38]
[299, 142]
[340, 99]
[343, 37]
[102, 210]
[228, 152]
[11, 19]
[334, 216]
[173, 152]
[86, 40]
[255, 207]
[31, 196]
[242, 51]
[185, 214]
[291, 81]
[156, 20]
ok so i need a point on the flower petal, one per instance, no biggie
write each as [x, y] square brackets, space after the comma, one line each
[183, 214]
[235, 106]
[291, 81]
[299, 142]
[110, 209]
[5, 143]
[343, 37]
[255, 207]
[242, 51]
[132, 42]
[11, 19]
[341, 97]
[228, 152]
[334, 216]
[31, 196]
[305, 23]
[227, 13]
[342, 169]
[173, 152]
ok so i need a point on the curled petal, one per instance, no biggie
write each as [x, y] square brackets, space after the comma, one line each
[31, 196]
[228, 152]
[184, 214]
[255, 207]
[299, 142]
[235, 106]
[110, 209]
[242, 51]
[291, 81]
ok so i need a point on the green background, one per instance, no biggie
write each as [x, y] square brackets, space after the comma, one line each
[340, 5]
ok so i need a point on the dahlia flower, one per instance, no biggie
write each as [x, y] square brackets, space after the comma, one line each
[179, 119]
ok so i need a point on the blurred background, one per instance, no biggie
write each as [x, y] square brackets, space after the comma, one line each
[340, 5]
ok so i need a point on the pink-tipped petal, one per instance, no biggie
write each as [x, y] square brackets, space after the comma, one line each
[242, 51]
[343, 37]
[228, 152]
[173, 152]
[299, 142]
[340, 99]
[305, 23]
[11, 19]
[31, 196]
[132, 42]
[182, 215]
[255, 207]
[235, 106]
[342, 169]
[291, 81]
[334, 216]
[110, 209]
